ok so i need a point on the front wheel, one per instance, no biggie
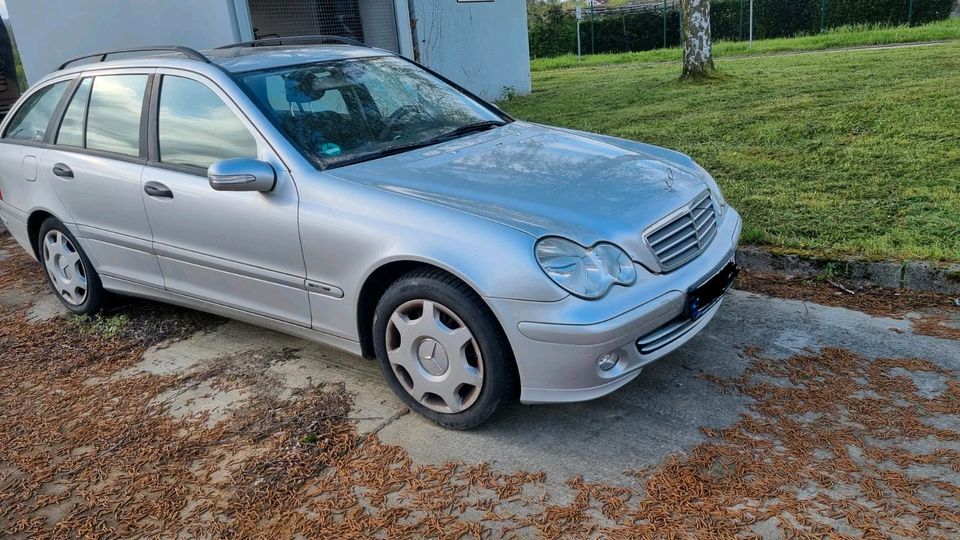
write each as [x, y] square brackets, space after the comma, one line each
[441, 350]
[70, 274]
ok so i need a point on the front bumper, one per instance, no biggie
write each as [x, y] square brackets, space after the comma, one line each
[556, 344]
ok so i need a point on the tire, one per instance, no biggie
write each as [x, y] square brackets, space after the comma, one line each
[422, 365]
[70, 274]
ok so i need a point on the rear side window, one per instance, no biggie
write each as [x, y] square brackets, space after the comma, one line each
[113, 119]
[30, 121]
[195, 127]
[71, 127]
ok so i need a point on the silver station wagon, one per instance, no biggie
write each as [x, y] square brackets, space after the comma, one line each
[352, 197]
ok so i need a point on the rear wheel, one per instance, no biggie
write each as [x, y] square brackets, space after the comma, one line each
[69, 272]
[442, 351]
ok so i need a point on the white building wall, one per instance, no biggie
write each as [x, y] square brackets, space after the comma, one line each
[50, 31]
[480, 45]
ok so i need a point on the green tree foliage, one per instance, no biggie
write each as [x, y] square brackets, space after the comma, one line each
[551, 29]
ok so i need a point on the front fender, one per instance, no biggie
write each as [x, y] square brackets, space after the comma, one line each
[348, 231]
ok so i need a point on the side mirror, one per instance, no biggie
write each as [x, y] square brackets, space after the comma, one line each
[241, 174]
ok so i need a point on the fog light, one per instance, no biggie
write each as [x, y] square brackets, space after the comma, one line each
[606, 361]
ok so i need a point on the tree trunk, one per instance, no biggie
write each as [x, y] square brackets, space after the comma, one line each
[697, 50]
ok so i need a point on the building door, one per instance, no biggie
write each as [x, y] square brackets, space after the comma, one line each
[373, 22]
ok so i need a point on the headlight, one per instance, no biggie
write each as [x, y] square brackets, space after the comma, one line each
[586, 272]
[714, 189]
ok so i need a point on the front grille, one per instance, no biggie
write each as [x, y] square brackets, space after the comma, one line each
[685, 236]
[670, 332]
[664, 335]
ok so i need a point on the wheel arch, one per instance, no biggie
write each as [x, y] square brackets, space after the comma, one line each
[377, 283]
[34, 221]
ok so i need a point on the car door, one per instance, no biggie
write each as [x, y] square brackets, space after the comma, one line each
[20, 150]
[94, 167]
[237, 249]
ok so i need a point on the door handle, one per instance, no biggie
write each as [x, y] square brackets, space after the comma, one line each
[62, 171]
[158, 190]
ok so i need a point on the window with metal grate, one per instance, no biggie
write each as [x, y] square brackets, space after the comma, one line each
[373, 22]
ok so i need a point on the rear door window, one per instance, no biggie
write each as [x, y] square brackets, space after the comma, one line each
[71, 127]
[113, 119]
[30, 121]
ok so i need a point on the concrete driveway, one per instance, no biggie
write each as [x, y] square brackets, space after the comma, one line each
[667, 412]
[657, 415]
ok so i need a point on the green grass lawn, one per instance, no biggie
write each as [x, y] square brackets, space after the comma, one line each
[844, 153]
[836, 38]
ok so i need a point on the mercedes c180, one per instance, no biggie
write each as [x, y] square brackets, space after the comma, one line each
[352, 197]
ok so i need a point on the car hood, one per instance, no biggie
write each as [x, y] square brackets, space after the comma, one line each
[544, 181]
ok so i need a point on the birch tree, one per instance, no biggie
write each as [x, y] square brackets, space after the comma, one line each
[697, 49]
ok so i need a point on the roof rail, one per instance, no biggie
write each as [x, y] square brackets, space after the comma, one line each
[280, 39]
[186, 51]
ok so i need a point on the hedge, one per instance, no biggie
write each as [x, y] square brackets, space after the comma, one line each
[553, 31]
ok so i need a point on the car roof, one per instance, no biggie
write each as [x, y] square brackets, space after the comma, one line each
[240, 59]
[234, 59]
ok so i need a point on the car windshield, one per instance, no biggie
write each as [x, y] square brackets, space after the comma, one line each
[353, 110]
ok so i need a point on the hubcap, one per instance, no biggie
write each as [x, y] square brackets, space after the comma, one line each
[65, 267]
[435, 356]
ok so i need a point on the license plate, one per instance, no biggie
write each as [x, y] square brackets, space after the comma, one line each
[700, 298]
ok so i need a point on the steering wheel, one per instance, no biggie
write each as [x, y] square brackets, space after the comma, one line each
[395, 118]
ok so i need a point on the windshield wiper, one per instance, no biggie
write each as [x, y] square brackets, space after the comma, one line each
[452, 134]
[401, 148]
[471, 128]
[390, 151]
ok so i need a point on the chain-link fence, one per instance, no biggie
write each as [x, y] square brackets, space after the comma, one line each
[657, 23]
